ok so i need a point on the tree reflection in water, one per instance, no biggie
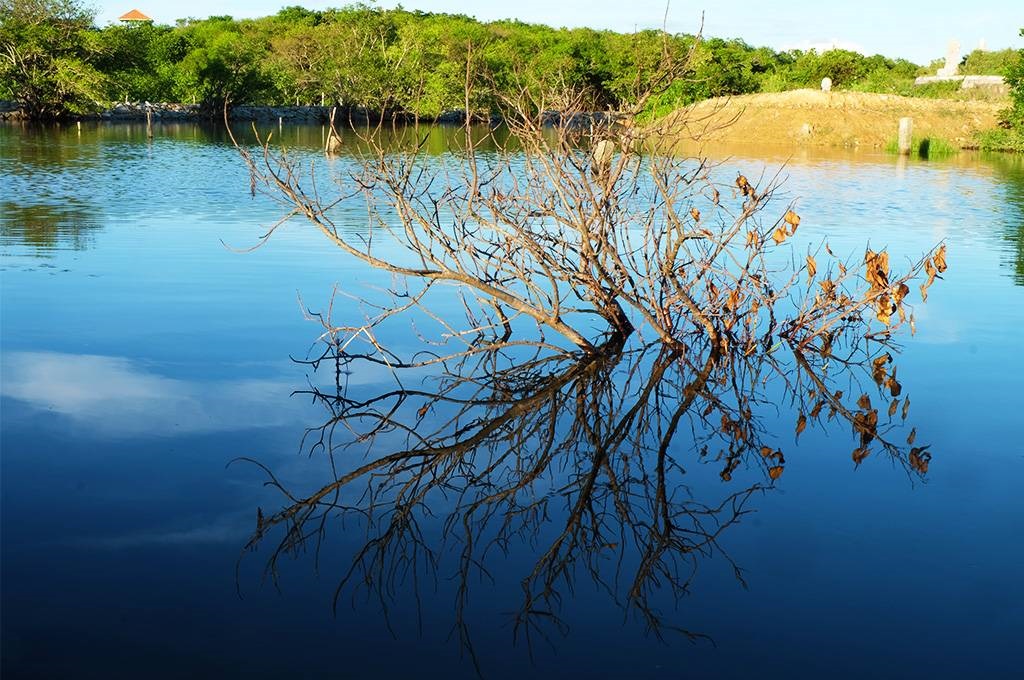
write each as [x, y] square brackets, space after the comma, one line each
[71, 223]
[581, 460]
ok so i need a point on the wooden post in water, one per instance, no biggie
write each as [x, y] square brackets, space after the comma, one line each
[149, 124]
[905, 134]
[333, 145]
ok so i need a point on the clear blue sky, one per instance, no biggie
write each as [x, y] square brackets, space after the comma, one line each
[914, 29]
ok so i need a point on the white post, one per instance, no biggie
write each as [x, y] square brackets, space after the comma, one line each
[905, 134]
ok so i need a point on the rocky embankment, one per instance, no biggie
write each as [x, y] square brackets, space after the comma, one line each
[10, 111]
[135, 111]
[126, 111]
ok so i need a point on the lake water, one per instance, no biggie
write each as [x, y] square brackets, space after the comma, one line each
[142, 353]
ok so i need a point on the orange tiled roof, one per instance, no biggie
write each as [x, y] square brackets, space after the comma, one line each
[134, 15]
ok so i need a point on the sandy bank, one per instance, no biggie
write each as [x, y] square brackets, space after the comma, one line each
[815, 118]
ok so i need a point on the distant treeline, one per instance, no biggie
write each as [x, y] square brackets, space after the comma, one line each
[56, 62]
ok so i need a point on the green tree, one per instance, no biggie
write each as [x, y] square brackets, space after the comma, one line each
[46, 57]
[1015, 78]
[135, 58]
[223, 66]
[989, 63]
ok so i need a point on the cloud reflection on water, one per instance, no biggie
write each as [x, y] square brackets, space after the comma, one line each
[120, 397]
[226, 529]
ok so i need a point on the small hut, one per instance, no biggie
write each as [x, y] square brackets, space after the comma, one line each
[134, 17]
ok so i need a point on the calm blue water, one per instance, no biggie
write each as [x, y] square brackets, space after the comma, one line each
[140, 355]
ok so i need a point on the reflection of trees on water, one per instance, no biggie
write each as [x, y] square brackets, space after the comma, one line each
[41, 208]
[624, 468]
[43, 226]
[58, 178]
[1010, 169]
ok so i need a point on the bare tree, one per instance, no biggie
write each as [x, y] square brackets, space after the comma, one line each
[613, 295]
[548, 232]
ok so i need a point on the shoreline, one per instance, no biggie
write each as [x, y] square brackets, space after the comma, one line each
[794, 119]
[170, 111]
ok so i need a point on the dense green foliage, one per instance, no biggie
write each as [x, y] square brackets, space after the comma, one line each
[1001, 139]
[986, 63]
[55, 62]
[1010, 135]
[1014, 74]
[47, 57]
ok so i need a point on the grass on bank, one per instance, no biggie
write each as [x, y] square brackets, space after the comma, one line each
[925, 147]
[1000, 139]
[996, 139]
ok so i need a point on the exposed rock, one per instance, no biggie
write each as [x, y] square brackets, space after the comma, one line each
[10, 111]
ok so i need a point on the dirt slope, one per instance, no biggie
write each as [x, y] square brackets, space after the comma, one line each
[815, 118]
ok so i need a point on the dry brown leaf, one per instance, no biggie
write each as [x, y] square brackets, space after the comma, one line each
[775, 472]
[877, 269]
[894, 386]
[812, 268]
[919, 459]
[884, 310]
[793, 220]
[901, 291]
